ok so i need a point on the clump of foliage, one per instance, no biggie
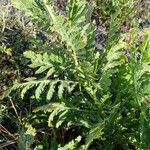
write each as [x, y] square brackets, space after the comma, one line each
[101, 95]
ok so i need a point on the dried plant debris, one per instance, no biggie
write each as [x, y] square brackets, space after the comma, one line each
[5, 2]
[100, 39]
[145, 24]
[60, 6]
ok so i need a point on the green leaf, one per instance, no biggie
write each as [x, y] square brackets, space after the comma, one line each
[50, 72]
[95, 133]
[60, 90]
[25, 89]
[50, 91]
[30, 79]
[30, 55]
[39, 90]
[72, 145]
[42, 69]
[59, 107]
[35, 65]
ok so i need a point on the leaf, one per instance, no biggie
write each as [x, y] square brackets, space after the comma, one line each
[25, 89]
[85, 123]
[50, 91]
[95, 133]
[39, 90]
[30, 79]
[48, 107]
[25, 140]
[30, 54]
[145, 132]
[72, 145]
[61, 118]
[35, 65]
[46, 58]
[50, 72]
[59, 108]
[42, 69]
[71, 87]
[30, 130]
[60, 90]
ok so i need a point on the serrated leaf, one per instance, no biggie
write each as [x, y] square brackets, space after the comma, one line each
[60, 90]
[25, 89]
[35, 65]
[112, 65]
[85, 123]
[30, 79]
[50, 72]
[95, 133]
[72, 145]
[25, 141]
[30, 54]
[30, 130]
[39, 90]
[114, 56]
[62, 118]
[59, 123]
[50, 91]
[71, 87]
[39, 58]
[59, 108]
[45, 58]
[42, 69]
[48, 107]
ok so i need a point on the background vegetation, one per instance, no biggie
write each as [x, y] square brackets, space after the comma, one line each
[75, 75]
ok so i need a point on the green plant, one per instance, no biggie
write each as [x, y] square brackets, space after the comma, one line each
[106, 93]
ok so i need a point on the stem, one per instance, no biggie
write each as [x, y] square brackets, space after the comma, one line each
[50, 10]
[15, 109]
[2, 128]
[135, 88]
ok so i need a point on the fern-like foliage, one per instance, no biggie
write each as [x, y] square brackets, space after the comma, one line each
[71, 145]
[36, 11]
[47, 64]
[87, 88]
